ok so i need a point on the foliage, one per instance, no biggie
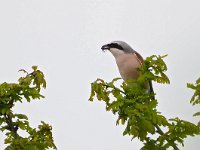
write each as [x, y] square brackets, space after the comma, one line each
[196, 97]
[27, 88]
[136, 108]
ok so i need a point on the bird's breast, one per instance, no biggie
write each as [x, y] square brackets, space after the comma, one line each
[128, 65]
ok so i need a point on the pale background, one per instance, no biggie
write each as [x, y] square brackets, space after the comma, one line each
[64, 37]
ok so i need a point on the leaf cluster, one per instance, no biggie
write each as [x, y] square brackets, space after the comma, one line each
[38, 139]
[136, 107]
[27, 89]
[154, 69]
[195, 100]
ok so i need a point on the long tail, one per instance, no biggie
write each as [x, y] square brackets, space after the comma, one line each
[151, 89]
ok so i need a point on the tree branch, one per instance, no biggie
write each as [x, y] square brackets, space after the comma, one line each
[159, 131]
[10, 125]
[109, 86]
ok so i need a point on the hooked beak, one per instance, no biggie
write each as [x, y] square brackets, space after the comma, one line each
[105, 47]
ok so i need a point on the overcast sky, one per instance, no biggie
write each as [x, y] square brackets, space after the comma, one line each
[64, 37]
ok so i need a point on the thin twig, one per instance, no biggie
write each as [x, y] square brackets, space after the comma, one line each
[159, 131]
[109, 86]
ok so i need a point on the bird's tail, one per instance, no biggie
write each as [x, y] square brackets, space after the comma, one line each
[151, 89]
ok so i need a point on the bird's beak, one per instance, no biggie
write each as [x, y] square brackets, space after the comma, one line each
[105, 47]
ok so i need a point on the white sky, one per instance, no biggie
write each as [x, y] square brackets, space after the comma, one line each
[63, 37]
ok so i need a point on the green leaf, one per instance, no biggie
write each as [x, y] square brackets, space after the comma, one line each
[34, 68]
[21, 116]
[148, 126]
[2, 120]
[197, 114]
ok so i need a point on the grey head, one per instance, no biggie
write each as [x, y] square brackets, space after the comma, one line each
[120, 45]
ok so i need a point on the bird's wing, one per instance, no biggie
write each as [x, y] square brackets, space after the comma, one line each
[141, 60]
[139, 57]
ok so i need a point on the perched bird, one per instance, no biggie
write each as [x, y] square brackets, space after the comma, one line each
[127, 59]
[128, 62]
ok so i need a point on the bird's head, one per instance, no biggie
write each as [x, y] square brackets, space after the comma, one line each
[117, 47]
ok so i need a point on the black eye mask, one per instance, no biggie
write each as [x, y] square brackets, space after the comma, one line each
[111, 45]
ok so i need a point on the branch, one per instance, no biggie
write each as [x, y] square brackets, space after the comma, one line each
[10, 125]
[159, 131]
[109, 86]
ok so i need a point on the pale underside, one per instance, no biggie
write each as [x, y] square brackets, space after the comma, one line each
[128, 64]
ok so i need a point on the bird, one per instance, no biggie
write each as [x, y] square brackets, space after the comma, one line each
[128, 61]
